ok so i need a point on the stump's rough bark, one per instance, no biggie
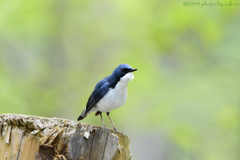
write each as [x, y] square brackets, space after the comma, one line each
[24, 137]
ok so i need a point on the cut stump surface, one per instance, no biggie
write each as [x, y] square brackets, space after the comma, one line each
[24, 137]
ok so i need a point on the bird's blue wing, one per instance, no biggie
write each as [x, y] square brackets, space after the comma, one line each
[99, 84]
[100, 90]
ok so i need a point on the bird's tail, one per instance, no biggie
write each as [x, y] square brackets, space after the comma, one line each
[82, 116]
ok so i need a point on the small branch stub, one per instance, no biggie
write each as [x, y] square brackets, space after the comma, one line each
[24, 137]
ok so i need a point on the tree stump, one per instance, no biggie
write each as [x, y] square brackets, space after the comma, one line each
[26, 137]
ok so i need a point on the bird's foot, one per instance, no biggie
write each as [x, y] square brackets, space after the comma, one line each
[118, 131]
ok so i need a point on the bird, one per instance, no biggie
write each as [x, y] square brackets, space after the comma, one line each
[110, 93]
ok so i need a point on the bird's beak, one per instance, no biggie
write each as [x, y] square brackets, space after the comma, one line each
[133, 70]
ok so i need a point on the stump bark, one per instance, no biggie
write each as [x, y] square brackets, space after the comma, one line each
[24, 137]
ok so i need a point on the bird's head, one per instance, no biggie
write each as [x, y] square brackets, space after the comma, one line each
[124, 71]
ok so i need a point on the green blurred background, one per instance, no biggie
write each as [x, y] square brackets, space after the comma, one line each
[184, 103]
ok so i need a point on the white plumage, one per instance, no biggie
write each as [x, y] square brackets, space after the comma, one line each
[115, 97]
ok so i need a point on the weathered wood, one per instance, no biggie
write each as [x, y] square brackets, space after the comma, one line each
[25, 137]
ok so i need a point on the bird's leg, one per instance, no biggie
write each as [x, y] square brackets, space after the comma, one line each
[102, 120]
[111, 121]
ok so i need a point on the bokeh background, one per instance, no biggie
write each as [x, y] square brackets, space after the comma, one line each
[184, 103]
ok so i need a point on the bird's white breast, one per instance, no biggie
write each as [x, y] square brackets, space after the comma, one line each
[115, 97]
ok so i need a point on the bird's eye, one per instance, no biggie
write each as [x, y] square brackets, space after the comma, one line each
[125, 70]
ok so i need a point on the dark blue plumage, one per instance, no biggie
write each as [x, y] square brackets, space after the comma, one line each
[104, 86]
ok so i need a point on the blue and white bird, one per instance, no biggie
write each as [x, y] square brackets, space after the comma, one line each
[110, 93]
